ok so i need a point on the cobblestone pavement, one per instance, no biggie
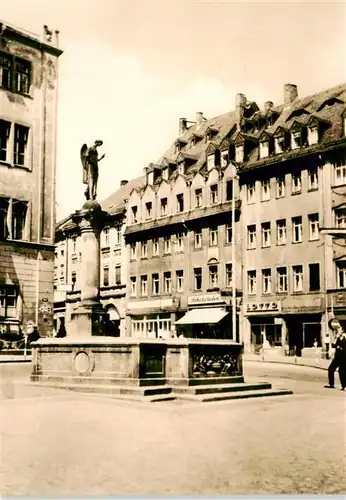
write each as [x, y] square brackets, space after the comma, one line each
[57, 442]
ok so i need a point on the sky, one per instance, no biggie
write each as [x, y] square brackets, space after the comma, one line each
[131, 68]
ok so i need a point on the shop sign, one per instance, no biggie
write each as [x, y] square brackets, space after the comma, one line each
[213, 298]
[263, 307]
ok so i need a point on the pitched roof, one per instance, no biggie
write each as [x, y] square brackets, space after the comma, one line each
[116, 201]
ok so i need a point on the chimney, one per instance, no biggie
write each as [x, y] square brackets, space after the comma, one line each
[240, 102]
[123, 183]
[182, 125]
[199, 118]
[268, 105]
[290, 94]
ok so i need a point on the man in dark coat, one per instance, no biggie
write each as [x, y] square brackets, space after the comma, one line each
[339, 360]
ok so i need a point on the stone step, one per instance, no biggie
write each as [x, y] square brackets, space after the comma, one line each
[257, 393]
[210, 389]
[216, 380]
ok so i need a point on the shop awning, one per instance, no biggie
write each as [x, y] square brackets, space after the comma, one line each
[209, 315]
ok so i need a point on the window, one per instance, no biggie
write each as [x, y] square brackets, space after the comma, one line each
[229, 233]
[280, 144]
[251, 237]
[73, 279]
[265, 185]
[148, 210]
[117, 237]
[266, 233]
[314, 277]
[340, 218]
[296, 183]
[313, 135]
[105, 238]
[133, 253]
[313, 226]
[5, 70]
[297, 229]
[198, 198]
[74, 244]
[340, 175]
[133, 286]
[8, 301]
[213, 236]
[251, 192]
[239, 154]
[296, 139]
[266, 281]
[251, 282]
[19, 211]
[224, 158]
[15, 73]
[214, 194]
[229, 190]
[312, 179]
[167, 244]
[280, 187]
[210, 161]
[163, 206]
[5, 128]
[341, 274]
[167, 282]
[106, 276]
[228, 275]
[198, 278]
[264, 149]
[198, 238]
[213, 276]
[144, 250]
[180, 242]
[281, 232]
[156, 284]
[180, 202]
[144, 285]
[20, 143]
[281, 279]
[118, 274]
[179, 281]
[181, 168]
[156, 248]
[134, 211]
[297, 278]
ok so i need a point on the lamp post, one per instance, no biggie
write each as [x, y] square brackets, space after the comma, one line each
[234, 274]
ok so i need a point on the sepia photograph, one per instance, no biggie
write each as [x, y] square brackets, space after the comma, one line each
[172, 248]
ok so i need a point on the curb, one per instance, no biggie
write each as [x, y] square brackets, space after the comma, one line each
[285, 363]
[14, 361]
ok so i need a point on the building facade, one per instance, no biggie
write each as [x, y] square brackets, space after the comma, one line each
[28, 115]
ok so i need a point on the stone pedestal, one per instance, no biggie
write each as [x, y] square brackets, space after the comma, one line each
[89, 317]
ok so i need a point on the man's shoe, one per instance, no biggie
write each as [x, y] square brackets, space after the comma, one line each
[329, 386]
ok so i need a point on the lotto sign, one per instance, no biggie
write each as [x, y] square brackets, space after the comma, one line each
[263, 307]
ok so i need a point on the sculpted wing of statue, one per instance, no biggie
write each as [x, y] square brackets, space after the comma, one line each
[90, 159]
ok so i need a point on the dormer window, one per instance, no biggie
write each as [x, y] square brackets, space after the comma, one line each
[151, 177]
[296, 139]
[165, 173]
[313, 135]
[298, 136]
[280, 144]
[264, 149]
[224, 158]
[134, 213]
[239, 153]
[181, 168]
[211, 161]
[179, 144]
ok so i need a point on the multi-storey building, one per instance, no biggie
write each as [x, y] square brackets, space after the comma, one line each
[279, 174]
[28, 103]
[113, 263]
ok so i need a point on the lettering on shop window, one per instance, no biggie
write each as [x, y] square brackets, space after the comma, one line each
[257, 307]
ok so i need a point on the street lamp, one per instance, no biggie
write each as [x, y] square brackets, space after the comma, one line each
[234, 274]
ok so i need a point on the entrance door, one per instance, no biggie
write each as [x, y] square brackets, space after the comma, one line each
[311, 332]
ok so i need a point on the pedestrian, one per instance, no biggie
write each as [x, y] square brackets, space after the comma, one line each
[339, 360]
[327, 343]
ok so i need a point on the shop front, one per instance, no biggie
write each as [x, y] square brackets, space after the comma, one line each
[208, 317]
[267, 327]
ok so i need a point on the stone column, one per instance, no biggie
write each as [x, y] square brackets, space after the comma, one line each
[88, 317]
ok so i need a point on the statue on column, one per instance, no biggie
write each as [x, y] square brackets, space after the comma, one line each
[89, 158]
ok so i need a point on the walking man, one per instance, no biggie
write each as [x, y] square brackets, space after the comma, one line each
[339, 360]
